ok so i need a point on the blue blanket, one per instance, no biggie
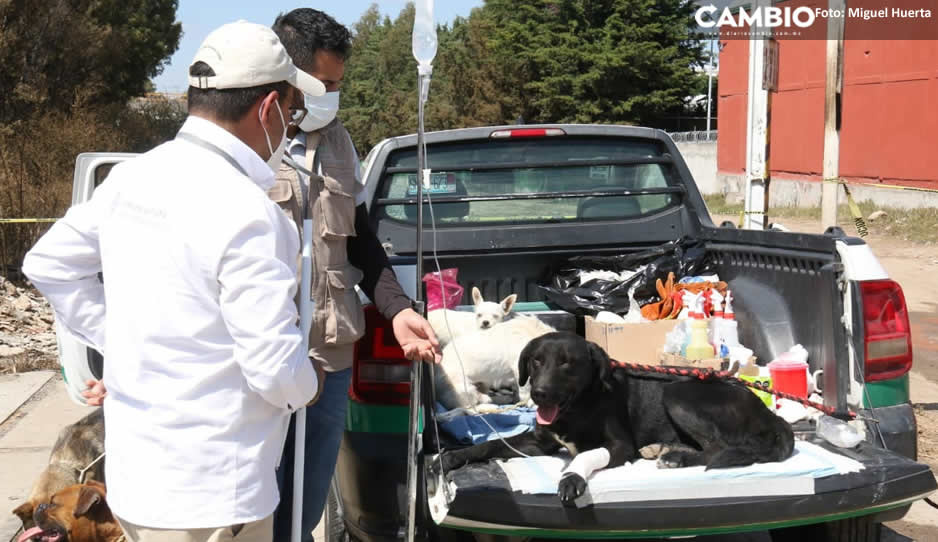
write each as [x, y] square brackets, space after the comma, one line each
[469, 428]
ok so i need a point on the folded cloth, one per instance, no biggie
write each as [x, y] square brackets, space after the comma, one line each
[467, 427]
[643, 481]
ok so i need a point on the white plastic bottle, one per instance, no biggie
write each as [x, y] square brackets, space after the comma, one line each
[423, 39]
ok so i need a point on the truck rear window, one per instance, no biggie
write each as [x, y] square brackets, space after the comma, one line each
[532, 180]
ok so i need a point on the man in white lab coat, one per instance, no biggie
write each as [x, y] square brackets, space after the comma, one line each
[196, 314]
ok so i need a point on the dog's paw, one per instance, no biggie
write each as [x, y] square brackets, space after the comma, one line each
[571, 486]
[653, 451]
[673, 459]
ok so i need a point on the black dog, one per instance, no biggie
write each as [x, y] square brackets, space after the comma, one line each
[606, 416]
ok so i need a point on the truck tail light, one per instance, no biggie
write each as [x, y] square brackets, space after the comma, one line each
[887, 336]
[527, 132]
[380, 372]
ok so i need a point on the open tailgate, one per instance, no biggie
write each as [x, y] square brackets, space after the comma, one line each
[481, 499]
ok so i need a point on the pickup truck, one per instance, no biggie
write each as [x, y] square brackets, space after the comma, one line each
[511, 203]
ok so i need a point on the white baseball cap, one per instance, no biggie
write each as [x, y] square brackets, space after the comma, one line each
[244, 54]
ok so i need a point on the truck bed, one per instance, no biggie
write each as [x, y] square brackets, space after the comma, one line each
[770, 274]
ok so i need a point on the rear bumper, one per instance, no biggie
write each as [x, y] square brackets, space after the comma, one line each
[898, 427]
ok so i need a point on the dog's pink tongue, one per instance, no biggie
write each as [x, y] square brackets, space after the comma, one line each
[30, 534]
[546, 415]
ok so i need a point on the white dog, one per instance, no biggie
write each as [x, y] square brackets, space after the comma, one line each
[481, 363]
[449, 323]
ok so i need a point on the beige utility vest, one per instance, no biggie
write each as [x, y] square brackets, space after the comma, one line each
[338, 319]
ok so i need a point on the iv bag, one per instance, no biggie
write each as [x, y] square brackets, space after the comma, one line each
[423, 41]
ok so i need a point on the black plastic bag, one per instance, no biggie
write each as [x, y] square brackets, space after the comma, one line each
[683, 257]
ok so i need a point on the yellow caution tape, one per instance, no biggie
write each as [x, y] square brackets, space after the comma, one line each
[880, 185]
[26, 220]
[858, 221]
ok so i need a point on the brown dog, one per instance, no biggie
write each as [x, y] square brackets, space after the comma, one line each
[78, 513]
[77, 447]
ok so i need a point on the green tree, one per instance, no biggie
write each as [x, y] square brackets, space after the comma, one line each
[602, 61]
[592, 61]
[58, 54]
[379, 96]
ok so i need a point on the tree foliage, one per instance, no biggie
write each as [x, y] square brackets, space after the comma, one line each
[540, 61]
[68, 72]
[58, 54]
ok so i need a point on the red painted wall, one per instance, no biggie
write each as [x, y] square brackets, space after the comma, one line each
[889, 130]
[733, 96]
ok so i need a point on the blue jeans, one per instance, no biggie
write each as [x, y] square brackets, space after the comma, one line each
[325, 423]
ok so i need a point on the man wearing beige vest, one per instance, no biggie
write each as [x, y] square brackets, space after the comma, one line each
[346, 252]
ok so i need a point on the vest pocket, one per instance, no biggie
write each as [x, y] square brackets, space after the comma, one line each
[336, 216]
[344, 319]
[282, 194]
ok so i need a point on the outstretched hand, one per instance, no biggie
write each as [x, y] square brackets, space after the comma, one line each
[416, 337]
[95, 393]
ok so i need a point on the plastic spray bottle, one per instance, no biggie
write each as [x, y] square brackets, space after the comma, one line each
[730, 328]
[716, 301]
[698, 347]
[689, 302]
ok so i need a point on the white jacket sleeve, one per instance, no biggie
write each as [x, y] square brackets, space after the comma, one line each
[64, 265]
[257, 287]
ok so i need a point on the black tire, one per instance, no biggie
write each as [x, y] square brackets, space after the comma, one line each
[861, 529]
[333, 523]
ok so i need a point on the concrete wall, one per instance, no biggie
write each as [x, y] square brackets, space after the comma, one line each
[807, 193]
[788, 191]
[701, 159]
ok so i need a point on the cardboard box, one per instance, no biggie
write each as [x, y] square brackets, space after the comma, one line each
[677, 360]
[631, 343]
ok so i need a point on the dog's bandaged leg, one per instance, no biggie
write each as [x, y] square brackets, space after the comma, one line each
[573, 480]
[585, 463]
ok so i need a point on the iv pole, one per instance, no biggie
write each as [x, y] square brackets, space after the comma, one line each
[424, 49]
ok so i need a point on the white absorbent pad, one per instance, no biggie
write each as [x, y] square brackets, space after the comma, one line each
[644, 481]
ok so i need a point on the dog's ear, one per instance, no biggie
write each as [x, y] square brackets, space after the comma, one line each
[24, 511]
[508, 303]
[89, 496]
[476, 296]
[524, 361]
[602, 364]
[97, 485]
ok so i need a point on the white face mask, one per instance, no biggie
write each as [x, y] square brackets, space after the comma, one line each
[275, 155]
[320, 110]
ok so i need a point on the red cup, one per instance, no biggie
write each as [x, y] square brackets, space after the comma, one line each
[789, 377]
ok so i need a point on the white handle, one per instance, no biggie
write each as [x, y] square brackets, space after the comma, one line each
[299, 443]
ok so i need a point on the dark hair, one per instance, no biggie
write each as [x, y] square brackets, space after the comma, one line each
[304, 31]
[229, 104]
